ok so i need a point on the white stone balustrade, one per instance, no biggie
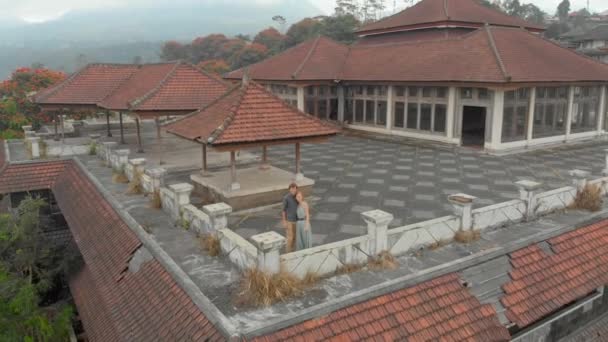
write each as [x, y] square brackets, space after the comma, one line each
[156, 179]
[218, 214]
[135, 167]
[377, 226]
[108, 148]
[463, 208]
[120, 158]
[605, 171]
[175, 197]
[527, 193]
[26, 128]
[268, 255]
[579, 179]
[94, 139]
[34, 145]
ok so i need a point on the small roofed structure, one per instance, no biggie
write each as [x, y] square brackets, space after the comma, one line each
[249, 116]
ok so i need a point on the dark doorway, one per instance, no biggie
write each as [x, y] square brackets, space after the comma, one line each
[473, 126]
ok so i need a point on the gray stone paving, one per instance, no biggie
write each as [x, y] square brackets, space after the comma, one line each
[355, 174]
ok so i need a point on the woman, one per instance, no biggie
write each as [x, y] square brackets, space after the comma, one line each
[303, 233]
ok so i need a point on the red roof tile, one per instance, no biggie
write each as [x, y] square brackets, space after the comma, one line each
[144, 80]
[88, 86]
[316, 59]
[186, 88]
[439, 309]
[249, 114]
[542, 283]
[118, 304]
[30, 176]
[430, 13]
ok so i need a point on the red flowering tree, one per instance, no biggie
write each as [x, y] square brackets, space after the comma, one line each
[250, 54]
[16, 107]
[215, 66]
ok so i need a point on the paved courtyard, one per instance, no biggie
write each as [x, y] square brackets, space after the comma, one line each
[355, 174]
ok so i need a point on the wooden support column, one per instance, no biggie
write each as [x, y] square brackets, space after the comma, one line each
[234, 184]
[299, 175]
[159, 139]
[108, 123]
[62, 127]
[204, 159]
[265, 165]
[122, 132]
[55, 123]
[140, 147]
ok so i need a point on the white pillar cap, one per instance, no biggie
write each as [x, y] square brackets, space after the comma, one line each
[217, 209]
[268, 241]
[377, 217]
[528, 185]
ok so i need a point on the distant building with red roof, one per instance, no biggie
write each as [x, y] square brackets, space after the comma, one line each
[452, 71]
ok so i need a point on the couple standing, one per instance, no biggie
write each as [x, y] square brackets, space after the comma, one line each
[296, 220]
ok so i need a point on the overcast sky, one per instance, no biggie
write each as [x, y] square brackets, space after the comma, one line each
[41, 10]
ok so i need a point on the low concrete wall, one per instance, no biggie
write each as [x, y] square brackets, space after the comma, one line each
[498, 215]
[558, 199]
[414, 236]
[240, 251]
[198, 220]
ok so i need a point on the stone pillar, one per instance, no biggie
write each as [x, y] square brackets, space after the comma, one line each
[34, 143]
[390, 107]
[301, 90]
[218, 215]
[527, 193]
[138, 165]
[497, 118]
[569, 112]
[605, 171]
[157, 176]
[463, 207]
[108, 148]
[377, 227]
[182, 193]
[531, 107]
[269, 251]
[26, 128]
[600, 121]
[29, 134]
[579, 179]
[341, 103]
[94, 139]
[234, 184]
[299, 174]
[121, 159]
[451, 112]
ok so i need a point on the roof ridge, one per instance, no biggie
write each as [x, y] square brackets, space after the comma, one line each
[307, 57]
[119, 84]
[362, 29]
[501, 65]
[138, 101]
[64, 83]
[216, 78]
[219, 131]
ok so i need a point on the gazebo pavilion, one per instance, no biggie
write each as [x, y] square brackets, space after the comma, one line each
[248, 116]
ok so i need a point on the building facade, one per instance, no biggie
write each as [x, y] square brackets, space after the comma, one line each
[460, 74]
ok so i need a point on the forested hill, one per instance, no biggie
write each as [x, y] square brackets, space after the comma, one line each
[121, 34]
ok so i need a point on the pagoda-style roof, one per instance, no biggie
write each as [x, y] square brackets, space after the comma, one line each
[185, 88]
[88, 86]
[445, 13]
[249, 114]
[316, 59]
[599, 32]
[490, 54]
[144, 80]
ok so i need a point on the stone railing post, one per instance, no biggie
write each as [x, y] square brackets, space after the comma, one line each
[26, 128]
[121, 159]
[377, 227]
[29, 134]
[579, 179]
[605, 171]
[136, 167]
[182, 193]
[269, 248]
[218, 215]
[463, 208]
[158, 178]
[527, 193]
[94, 139]
[34, 146]
[108, 148]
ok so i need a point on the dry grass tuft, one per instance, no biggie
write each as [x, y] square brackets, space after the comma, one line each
[467, 236]
[155, 202]
[438, 244]
[211, 244]
[258, 288]
[384, 261]
[310, 278]
[348, 269]
[589, 199]
[92, 149]
[119, 177]
[135, 186]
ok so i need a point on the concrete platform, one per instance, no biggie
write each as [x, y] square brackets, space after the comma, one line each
[259, 187]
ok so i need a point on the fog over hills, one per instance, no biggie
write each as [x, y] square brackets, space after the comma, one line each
[120, 34]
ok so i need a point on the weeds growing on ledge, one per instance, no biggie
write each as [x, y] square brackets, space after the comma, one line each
[258, 288]
[467, 236]
[92, 149]
[155, 202]
[135, 186]
[384, 261]
[590, 198]
[348, 269]
[211, 244]
[438, 244]
[118, 176]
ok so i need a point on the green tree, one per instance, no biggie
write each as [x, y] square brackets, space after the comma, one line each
[341, 28]
[491, 4]
[346, 7]
[28, 267]
[173, 50]
[532, 13]
[303, 30]
[250, 54]
[513, 7]
[563, 9]
[271, 38]
[371, 9]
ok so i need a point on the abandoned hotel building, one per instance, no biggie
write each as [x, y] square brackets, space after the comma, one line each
[477, 236]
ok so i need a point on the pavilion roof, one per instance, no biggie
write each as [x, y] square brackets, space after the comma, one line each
[496, 55]
[141, 82]
[184, 88]
[315, 59]
[249, 114]
[434, 13]
[88, 86]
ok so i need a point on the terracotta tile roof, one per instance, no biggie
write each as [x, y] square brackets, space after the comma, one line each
[144, 80]
[186, 88]
[429, 13]
[316, 59]
[30, 176]
[249, 114]
[118, 304]
[542, 283]
[439, 309]
[88, 86]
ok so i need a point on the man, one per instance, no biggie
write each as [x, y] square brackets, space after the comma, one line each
[290, 216]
